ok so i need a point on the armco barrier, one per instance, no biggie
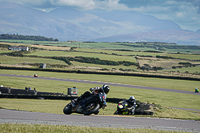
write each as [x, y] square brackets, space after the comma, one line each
[112, 100]
[7, 92]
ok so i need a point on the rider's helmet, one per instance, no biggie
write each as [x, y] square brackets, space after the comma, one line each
[132, 99]
[106, 88]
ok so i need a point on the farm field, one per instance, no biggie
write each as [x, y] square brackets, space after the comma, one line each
[84, 54]
[150, 59]
[139, 47]
[10, 60]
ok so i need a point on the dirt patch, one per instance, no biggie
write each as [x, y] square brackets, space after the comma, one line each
[89, 68]
[146, 108]
[16, 65]
[51, 47]
[154, 62]
[13, 44]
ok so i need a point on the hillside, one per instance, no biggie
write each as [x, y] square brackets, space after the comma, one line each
[114, 22]
[168, 36]
[94, 25]
[18, 19]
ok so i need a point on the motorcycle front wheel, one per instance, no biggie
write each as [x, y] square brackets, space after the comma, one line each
[116, 112]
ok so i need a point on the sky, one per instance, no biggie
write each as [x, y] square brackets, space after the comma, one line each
[186, 13]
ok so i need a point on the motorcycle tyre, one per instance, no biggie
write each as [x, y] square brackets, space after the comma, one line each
[67, 109]
[96, 113]
[94, 110]
[116, 112]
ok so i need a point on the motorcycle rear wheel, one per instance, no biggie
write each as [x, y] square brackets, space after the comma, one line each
[91, 107]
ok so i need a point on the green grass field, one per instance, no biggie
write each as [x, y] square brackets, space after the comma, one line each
[187, 85]
[10, 60]
[28, 128]
[5, 51]
[105, 51]
[185, 56]
[113, 46]
[73, 54]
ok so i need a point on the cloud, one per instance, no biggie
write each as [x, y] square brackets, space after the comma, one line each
[84, 4]
[91, 4]
[87, 4]
[186, 13]
[33, 3]
[110, 5]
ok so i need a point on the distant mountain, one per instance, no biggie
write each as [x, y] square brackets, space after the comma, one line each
[108, 23]
[121, 26]
[18, 19]
[97, 25]
[168, 36]
[198, 31]
[87, 20]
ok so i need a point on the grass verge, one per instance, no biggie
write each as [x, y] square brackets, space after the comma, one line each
[27, 128]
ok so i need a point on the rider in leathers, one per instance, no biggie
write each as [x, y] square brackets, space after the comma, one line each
[104, 88]
[131, 104]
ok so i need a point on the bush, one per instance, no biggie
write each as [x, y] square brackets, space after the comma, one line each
[63, 59]
[185, 63]
[102, 62]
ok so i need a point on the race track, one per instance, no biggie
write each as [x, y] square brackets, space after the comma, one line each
[101, 83]
[13, 116]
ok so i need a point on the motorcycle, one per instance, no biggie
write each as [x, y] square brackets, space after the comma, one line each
[88, 105]
[123, 109]
[138, 109]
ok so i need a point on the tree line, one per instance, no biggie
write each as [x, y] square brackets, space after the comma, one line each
[25, 37]
[160, 45]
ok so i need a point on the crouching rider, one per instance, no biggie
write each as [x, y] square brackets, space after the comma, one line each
[131, 104]
[105, 89]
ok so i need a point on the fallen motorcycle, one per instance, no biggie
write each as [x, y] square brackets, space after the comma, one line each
[88, 105]
[139, 109]
[123, 109]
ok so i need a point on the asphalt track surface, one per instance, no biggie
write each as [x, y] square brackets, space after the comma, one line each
[13, 116]
[24, 117]
[110, 84]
